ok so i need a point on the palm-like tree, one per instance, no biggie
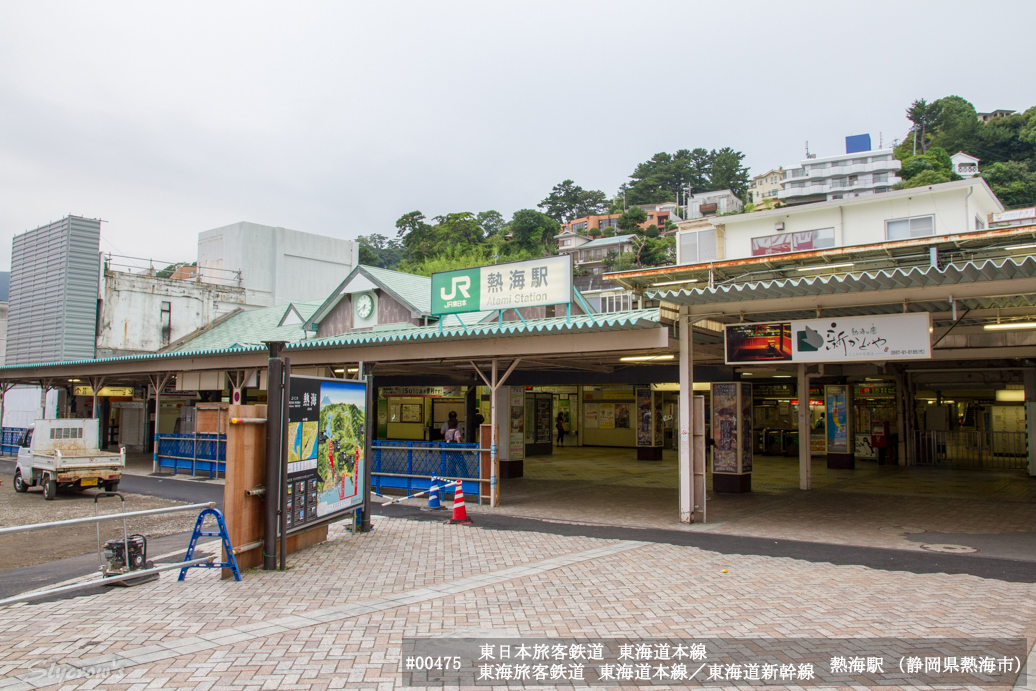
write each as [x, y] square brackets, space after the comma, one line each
[924, 116]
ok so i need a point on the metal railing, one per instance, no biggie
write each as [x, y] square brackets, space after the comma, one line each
[965, 449]
[151, 267]
[198, 453]
[9, 438]
[410, 465]
[98, 519]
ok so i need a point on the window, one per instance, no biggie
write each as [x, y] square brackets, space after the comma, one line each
[167, 322]
[782, 243]
[615, 303]
[798, 173]
[576, 227]
[881, 177]
[906, 228]
[564, 243]
[859, 161]
[697, 246]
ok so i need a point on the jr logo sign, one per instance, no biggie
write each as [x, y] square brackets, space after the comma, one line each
[461, 283]
[456, 291]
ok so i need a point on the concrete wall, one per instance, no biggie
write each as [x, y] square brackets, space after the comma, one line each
[131, 310]
[277, 265]
[863, 222]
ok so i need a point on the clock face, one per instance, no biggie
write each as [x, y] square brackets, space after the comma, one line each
[364, 306]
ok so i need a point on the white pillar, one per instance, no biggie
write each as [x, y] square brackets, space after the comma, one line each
[686, 472]
[805, 457]
[494, 460]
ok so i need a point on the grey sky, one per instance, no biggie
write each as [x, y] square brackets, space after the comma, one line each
[337, 118]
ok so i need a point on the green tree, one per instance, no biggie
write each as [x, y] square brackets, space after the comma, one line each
[491, 222]
[568, 200]
[924, 117]
[923, 179]
[418, 237]
[957, 127]
[1012, 181]
[728, 173]
[458, 227]
[530, 228]
[630, 221]
[651, 231]
[378, 250]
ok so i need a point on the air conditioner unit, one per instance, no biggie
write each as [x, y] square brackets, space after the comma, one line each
[779, 225]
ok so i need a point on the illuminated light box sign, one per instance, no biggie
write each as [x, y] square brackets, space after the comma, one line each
[546, 281]
[835, 339]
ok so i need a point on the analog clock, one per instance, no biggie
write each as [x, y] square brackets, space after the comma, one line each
[364, 306]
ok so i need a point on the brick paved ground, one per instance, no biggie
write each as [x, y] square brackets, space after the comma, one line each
[855, 507]
[336, 619]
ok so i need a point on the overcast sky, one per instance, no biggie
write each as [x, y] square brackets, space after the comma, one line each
[336, 118]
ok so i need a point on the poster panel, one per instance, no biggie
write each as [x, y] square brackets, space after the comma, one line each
[515, 424]
[659, 426]
[622, 416]
[758, 342]
[606, 415]
[746, 428]
[326, 448]
[644, 414]
[590, 414]
[724, 428]
[836, 397]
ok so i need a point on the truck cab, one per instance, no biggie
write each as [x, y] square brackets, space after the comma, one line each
[65, 453]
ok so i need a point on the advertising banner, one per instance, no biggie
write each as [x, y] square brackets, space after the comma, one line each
[645, 412]
[546, 281]
[724, 428]
[836, 397]
[326, 448]
[590, 415]
[516, 424]
[606, 415]
[836, 339]
[746, 426]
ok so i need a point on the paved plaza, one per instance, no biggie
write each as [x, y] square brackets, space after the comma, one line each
[338, 616]
[873, 506]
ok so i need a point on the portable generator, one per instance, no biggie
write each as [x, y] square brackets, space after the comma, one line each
[117, 563]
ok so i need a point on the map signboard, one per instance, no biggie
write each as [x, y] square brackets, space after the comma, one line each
[835, 339]
[326, 448]
[546, 281]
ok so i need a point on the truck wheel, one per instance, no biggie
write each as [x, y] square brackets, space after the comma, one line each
[19, 483]
[50, 488]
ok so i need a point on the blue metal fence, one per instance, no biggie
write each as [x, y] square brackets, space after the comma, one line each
[9, 439]
[202, 453]
[408, 465]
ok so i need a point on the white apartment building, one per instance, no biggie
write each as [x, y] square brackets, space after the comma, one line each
[949, 208]
[840, 177]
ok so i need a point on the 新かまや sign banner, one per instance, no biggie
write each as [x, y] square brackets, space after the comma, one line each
[546, 281]
[835, 339]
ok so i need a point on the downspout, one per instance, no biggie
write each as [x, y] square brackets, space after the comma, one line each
[967, 209]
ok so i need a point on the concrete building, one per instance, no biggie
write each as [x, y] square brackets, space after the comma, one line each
[276, 265]
[853, 174]
[986, 117]
[964, 165]
[142, 313]
[763, 190]
[713, 203]
[55, 273]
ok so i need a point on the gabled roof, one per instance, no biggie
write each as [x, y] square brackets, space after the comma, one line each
[407, 289]
[292, 317]
[607, 242]
[961, 154]
[250, 328]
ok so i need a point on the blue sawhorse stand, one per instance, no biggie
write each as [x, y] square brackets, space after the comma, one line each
[198, 532]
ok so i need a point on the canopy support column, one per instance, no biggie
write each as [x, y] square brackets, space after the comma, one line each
[805, 455]
[158, 381]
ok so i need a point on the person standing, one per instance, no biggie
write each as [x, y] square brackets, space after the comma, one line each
[560, 424]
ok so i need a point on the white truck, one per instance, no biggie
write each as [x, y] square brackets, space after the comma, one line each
[65, 453]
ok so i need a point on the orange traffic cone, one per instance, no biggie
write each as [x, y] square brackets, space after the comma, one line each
[460, 513]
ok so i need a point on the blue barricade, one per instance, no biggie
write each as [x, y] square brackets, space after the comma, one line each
[202, 453]
[394, 458]
[9, 439]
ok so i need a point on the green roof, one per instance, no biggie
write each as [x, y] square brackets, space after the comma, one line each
[416, 290]
[251, 327]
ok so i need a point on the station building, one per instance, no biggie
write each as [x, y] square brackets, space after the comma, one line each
[636, 390]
